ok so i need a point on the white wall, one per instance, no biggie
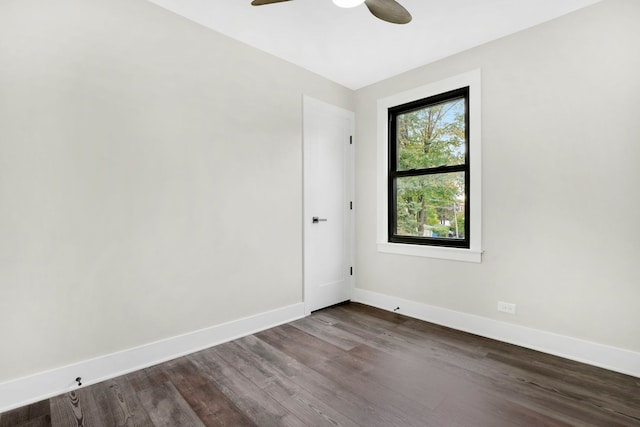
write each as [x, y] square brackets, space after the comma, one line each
[561, 149]
[150, 179]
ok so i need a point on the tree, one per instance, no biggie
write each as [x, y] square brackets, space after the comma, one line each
[428, 138]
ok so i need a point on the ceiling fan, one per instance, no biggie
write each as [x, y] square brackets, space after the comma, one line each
[387, 10]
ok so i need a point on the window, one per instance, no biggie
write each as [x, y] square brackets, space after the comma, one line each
[429, 171]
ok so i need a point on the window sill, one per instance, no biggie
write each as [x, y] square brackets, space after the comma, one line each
[438, 252]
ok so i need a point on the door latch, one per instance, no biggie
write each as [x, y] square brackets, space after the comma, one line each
[317, 220]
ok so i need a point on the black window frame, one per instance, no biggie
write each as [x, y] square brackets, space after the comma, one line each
[393, 173]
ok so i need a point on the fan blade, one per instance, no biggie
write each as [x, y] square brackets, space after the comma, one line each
[389, 10]
[261, 2]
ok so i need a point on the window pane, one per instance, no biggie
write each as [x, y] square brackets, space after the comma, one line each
[431, 206]
[432, 136]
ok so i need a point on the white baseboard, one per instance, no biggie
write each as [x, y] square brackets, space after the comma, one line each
[603, 356]
[44, 385]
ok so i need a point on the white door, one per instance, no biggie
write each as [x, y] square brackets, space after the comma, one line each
[328, 211]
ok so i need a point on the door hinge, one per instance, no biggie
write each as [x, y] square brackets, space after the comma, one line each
[351, 205]
[350, 139]
[351, 271]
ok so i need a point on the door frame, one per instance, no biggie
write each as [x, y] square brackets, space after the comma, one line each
[350, 188]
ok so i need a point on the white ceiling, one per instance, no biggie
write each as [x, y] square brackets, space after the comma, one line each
[355, 49]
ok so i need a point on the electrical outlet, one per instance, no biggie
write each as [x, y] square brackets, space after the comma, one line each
[506, 307]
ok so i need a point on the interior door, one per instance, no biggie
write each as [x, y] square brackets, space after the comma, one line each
[328, 209]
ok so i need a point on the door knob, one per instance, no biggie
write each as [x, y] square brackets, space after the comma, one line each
[317, 220]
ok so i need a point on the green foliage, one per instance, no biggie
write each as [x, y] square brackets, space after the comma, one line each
[427, 138]
[432, 136]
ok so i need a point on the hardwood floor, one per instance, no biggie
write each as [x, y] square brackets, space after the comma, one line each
[351, 365]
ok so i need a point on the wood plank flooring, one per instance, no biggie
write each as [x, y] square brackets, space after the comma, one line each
[351, 365]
